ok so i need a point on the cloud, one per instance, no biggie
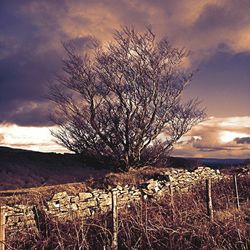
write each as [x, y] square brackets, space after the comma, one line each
[24, 77]
[217, 137]
[31, 113]
[243, 140]
[210, 149]
[220, 25]
[31, 51]
[1, 138]
[81, 43]
[33, 138]
[204, 140]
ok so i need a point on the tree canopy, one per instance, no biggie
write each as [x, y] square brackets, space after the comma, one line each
[121, 102]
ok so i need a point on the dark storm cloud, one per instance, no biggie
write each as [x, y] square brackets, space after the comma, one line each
[24, 70]
[30, 53]
[81, 44]
[23, 80]
[31, 114]
[210, 149]
[28, 60]
[32, 33]
[243, 140]
[224, 16]
[223, 84]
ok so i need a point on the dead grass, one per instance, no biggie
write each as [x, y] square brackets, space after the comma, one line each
[133, 177]
[36, 194]
[154, 225]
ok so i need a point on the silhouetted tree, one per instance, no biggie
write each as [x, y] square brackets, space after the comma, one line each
[122, 101]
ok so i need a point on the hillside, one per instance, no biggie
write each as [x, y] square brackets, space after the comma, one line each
[221, 163]
[179, 221]
[24, 169]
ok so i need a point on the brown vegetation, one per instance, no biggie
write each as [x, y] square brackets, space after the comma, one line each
[155, 224]
[28, 169]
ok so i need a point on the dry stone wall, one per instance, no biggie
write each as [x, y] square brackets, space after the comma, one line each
[86, 204]
[20, 217]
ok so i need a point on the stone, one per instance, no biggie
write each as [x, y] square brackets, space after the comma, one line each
[105, 196]
[120, 188]
[74, 207]
[60, 196]
[74, 199]
[85, 204]
[84, 196]
[148, 192]
[91, 203]
[157, 189]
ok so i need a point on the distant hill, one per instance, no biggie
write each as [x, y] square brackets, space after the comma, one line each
[221, 163]
[190, 163]
[24, 168]
[187, 163]
[247, 161]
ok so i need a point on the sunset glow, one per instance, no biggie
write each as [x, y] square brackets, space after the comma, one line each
[32, 138]
[228, 136]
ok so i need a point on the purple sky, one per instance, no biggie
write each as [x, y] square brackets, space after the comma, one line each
[217, 32]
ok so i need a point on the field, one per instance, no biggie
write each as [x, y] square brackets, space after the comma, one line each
[180, 221]
[155, 224]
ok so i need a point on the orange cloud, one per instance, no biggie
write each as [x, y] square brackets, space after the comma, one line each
[204, 140]
[205, 27]
[217, 137]
[202, 26]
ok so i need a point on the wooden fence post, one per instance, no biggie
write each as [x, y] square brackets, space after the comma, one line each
[236, 192]
[2, 228]
[172, 199]
[209, 200]
[115, 221]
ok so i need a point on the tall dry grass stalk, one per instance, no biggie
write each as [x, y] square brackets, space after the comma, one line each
[154, 224]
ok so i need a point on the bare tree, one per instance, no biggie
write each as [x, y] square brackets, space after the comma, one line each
[122, 102]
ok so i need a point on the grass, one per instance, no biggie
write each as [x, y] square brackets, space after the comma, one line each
[154, 224]
[104, 179]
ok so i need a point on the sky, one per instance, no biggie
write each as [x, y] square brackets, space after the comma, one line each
[217, 33]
